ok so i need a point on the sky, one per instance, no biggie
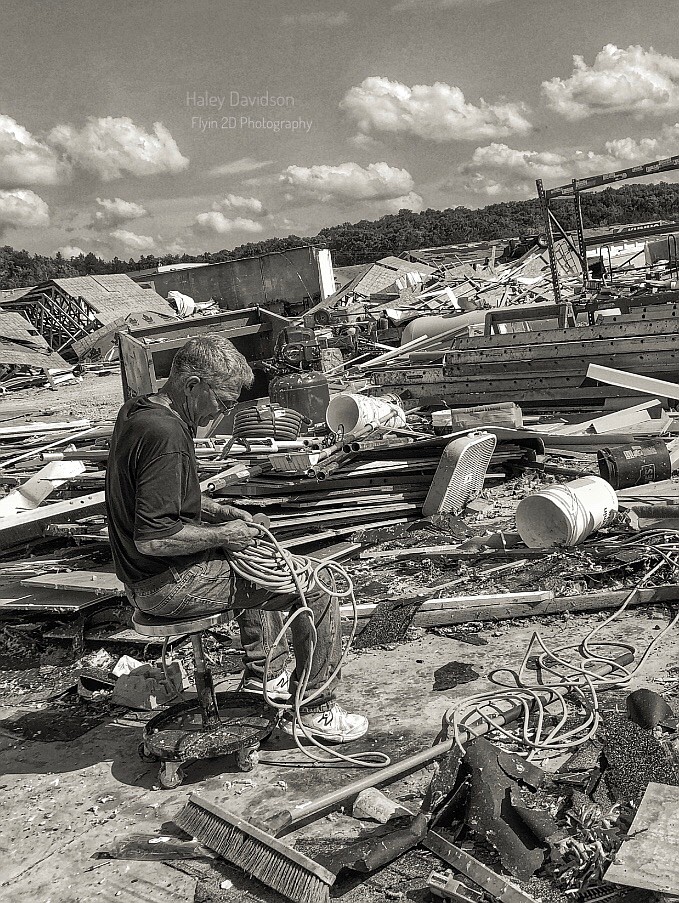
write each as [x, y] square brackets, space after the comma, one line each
[134, 127]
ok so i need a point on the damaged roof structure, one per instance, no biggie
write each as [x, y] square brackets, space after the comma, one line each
[70, 313]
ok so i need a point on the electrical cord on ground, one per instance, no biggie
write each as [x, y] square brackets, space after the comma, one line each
[570, 680]
[272, 567]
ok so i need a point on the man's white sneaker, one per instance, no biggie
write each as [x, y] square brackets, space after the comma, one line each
[333, 725]
[278, 688]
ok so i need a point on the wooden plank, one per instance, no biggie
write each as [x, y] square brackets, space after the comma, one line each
[642, 314]
[579, 350]
[38, 428]
[462, 609]
[99, 583]
[538, 397]
[16, 598]
[442, 606]
[649, 856]
[613, 328]
[633, 381]
[633, 361]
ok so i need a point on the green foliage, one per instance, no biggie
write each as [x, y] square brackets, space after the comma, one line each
[366, 241]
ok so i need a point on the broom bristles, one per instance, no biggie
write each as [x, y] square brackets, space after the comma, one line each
[266, 858]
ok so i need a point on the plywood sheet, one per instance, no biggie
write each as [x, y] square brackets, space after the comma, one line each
[649, 858]
[15, 598]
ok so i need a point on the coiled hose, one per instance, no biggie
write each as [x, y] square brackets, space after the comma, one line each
[267, 422]
[270, 566]
[576, 681]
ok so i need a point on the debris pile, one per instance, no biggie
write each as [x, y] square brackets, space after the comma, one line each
[416, 427]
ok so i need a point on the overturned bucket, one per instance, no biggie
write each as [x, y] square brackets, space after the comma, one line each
[566, 514]
[356, 415]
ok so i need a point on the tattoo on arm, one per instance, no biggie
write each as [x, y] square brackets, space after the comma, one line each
[191, 538]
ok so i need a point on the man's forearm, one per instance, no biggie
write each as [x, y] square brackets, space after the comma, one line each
[191, 538]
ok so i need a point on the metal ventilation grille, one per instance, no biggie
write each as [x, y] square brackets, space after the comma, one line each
[460, 474]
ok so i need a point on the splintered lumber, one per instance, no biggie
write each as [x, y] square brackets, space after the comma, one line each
[623, 380]
[30, 524]
[649, 857]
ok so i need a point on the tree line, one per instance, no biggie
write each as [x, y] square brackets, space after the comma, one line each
[368, 240]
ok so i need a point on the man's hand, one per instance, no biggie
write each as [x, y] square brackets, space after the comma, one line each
[238, 535]
[215, 512]
[230, 512]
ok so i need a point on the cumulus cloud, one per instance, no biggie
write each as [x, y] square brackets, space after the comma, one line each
[437, 112]
[115, 211]
[132, 241]
[69, 251]
[22, 208]
[113, 147]
[216, 223]
[320, 19]
[26, 161]
[501, 170]
[236, 203]
[347, 182]
[634, 81]
[238, 167]
[411, 201]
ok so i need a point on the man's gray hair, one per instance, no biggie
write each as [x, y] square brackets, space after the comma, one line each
[216, 360]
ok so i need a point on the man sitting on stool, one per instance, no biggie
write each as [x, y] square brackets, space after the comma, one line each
[169, 541]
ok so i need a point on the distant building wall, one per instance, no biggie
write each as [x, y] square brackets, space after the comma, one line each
[284, 282]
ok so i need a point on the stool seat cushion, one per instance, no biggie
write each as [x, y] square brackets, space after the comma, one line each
[151, 625]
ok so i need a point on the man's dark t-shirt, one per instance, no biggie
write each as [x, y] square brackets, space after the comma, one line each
[152, 486]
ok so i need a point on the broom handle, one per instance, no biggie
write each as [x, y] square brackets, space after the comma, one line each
[288, 820]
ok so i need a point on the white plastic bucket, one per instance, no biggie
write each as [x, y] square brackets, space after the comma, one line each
[354, 415]
[565, 515]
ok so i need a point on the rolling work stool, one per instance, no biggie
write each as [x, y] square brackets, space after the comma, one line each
[196, 729]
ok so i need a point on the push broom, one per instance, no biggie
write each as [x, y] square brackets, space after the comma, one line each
[261, 855]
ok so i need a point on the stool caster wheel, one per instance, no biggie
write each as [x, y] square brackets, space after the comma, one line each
[247, 758]
[144, 755]
[171, 775]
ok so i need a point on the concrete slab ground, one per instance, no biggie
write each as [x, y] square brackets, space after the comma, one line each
[61, 801]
